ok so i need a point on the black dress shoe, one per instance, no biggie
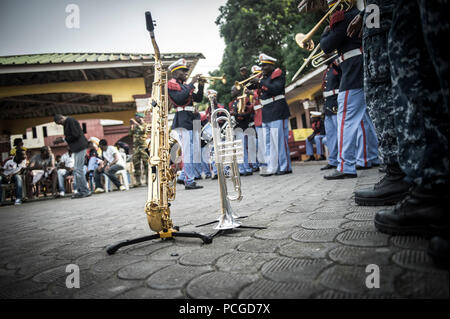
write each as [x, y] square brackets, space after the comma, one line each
[328, 166]
[382, 169]
[358, 167]
[81, 195]
[388, 191]
[214, 177]
[207, 176]
[179, 181]
[281, 173]
[289, 172]
[310, 159]
[193, 186]
[422, 213]
[438, 250]
[339, 175]
[322, 158]
[265, 175]
[248, 173]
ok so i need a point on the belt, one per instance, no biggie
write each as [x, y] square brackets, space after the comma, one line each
[349, 54]
[330, 93]
[257, 107]
[186, 108]
[272, 99]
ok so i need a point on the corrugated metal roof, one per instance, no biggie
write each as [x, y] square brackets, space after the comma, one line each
[59, 58]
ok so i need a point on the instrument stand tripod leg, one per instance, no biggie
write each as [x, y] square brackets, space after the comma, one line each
[113, 248]
[229, 230]
[215, 221]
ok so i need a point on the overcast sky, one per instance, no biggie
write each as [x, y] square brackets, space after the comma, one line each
[39, 26]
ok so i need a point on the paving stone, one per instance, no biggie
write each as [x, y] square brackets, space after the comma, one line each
[301, 208]
[175, 276]
[410, 242]
[423, 285]
[106, 289]
[148, 293]
[333, 294]
[364, 225]
[20, 289]
[173, 252]
[327, 214]
[363, 238]
[142, 269]
[267, 289]
[306, 250]
[352, 279]
[146, 248]
[51, 275]
[367, 216]
[243, 262]
[361, 256]
[260, 246]
[292, 269]
[114, 263]
[203, 257]
[274, 233]
[218, 285]
[322, 224]
[417, 260]
[316, 236]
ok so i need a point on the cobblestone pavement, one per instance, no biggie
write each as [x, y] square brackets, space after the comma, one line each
[317, 244]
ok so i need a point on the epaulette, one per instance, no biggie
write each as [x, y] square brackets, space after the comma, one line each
[336, 17]
[174, 85]
[276, 73]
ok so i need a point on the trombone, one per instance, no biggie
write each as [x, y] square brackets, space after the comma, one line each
[305, 41]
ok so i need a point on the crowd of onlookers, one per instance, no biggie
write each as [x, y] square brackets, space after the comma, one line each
[27, 176]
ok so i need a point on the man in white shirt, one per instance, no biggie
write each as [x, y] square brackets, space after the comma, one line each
[65, 168]
[112, 163]
[10, 173]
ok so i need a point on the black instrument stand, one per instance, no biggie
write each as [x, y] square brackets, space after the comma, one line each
[207, 239]
[222, 231]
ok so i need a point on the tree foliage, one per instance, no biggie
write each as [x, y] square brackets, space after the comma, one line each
[251, 27]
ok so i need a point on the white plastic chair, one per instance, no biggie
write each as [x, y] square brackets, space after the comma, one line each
[124, 180]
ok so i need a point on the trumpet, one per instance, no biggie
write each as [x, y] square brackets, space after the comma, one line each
[305, 41]
[214, 78]
[238, 85]
[227, 152]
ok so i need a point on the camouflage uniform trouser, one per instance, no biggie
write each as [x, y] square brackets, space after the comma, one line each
[419, 72]
[140, 156]
[379, 94]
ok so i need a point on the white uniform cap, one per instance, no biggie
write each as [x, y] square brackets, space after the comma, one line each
[256, 69]
[211, 92]
[180, 64]
[94, 139]
[315, 114]
[264, 58]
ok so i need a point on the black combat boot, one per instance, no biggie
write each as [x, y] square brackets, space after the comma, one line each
[388, 191]
[422, 212]
[438, 250]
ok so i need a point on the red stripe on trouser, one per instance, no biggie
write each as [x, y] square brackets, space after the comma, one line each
[341, 141]
[286, 150]
[364, 143]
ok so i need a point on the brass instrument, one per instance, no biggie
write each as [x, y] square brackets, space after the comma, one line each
[238, 85]
[241, 99]
[212, 79]
[305, 40]
[227, 152]
[316, 59]
[161, 177]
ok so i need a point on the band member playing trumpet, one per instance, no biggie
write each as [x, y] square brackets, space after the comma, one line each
[182, 96]
[352, 108]
[243, 118]
[275, 115]
[260, 140]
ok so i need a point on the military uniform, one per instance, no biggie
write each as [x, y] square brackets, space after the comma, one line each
[352, 108]
[140, 133]
[182, 97]
[330, 85]
[318, 134]
[275, 115]
[241, 131]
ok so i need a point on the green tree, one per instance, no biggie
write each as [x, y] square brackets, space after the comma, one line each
[251, 27]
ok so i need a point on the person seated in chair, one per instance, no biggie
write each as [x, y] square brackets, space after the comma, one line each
[41, 168]
[11, 173]
[316, 137]
[112, 163]
[65, 169]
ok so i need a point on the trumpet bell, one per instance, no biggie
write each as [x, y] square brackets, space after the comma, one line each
[307, 45]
